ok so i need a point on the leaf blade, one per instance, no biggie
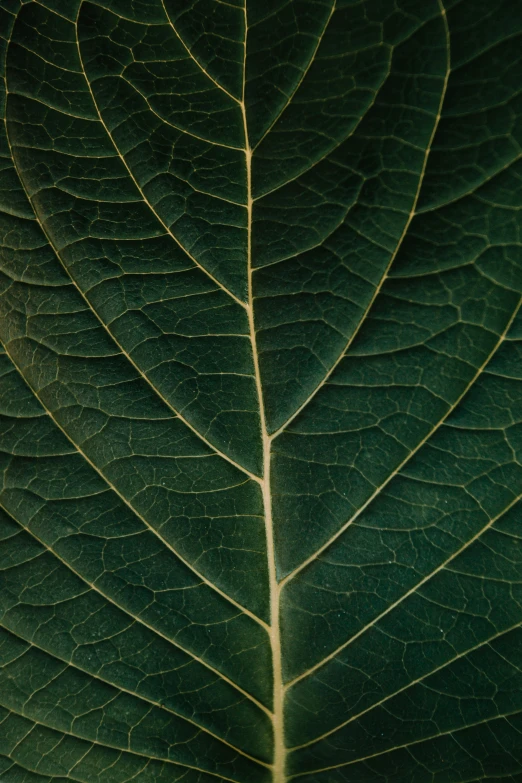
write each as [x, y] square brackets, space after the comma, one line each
[260, 400]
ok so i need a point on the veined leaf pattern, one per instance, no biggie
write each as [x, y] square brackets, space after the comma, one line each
[261, 391]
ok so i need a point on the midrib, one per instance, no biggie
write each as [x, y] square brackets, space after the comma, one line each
[279, 756]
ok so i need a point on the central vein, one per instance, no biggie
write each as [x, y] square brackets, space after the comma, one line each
[279, 775]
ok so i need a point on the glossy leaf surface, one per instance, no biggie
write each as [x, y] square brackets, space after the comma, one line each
[261, 391]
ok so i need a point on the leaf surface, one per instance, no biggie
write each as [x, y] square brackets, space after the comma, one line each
[260, 391]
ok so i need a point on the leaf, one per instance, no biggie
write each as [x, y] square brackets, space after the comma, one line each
[261, 391]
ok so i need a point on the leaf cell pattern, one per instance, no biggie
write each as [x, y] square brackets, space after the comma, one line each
[261, 391]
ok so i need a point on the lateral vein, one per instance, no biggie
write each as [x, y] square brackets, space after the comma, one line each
[398, 245]
[129, 505]
[303, 75]
[138, 619]
[121, 750]
[412, 453]
[114, 339]
[121, 689]
[393, 606]
[187, 49]
[409, 744]
[140, 190]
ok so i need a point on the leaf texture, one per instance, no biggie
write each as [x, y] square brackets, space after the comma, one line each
[261, 391]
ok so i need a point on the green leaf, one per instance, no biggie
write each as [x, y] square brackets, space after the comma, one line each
[261, 391]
